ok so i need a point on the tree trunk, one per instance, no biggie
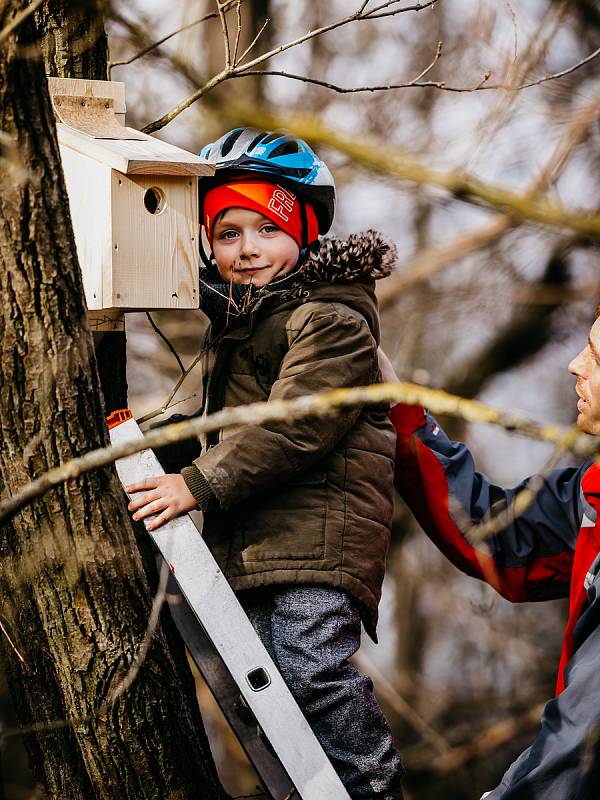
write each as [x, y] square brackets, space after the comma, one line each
[74, 45]
[75, 597]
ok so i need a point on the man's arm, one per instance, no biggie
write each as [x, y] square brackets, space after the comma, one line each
[563, 763]
[531, 559]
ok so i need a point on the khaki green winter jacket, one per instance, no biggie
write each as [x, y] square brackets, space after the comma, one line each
[306, 501]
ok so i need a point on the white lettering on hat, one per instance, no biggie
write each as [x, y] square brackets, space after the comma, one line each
[281, 202]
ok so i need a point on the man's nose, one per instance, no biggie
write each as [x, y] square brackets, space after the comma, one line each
[577, 365]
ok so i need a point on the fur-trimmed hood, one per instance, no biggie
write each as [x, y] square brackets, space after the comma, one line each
[365, 255]
[343, 270]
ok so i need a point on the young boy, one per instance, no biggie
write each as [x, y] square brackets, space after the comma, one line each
[290, 509]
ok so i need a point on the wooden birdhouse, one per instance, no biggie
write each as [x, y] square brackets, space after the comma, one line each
[133, 200]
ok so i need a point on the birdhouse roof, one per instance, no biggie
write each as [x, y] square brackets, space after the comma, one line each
[88, 121]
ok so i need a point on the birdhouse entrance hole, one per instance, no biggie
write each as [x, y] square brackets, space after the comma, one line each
[154, 200]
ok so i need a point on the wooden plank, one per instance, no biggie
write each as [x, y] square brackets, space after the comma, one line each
[146, 156]
[217, 609]
[89, 189]
[81, 87]
[93, 116]
[155, 257]
[109, 319]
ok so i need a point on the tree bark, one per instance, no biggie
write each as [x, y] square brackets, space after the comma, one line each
[75, 597]
[74, 45]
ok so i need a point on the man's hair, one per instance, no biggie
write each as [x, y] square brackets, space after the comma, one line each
[597, 311]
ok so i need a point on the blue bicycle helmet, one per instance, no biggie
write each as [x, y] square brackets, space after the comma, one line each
[278, 155]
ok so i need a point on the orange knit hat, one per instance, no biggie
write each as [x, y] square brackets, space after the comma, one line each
[269, 199]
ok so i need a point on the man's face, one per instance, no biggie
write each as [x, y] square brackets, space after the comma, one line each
[586, 367]
[249, 248]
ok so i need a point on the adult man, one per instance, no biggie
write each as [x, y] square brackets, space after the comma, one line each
[551, 550]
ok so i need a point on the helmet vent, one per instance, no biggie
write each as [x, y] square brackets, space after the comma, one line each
[285, 149]
[230, 141]
[255, 141]
[271, 138]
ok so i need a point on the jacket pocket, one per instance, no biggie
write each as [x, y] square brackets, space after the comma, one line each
[313, 479]
[288, 525]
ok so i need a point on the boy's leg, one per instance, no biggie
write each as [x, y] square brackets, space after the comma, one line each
[311, 632]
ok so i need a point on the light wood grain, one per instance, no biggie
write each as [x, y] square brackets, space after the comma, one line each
[147, 156]
[89, 189]
[79, 87]
[155, 258]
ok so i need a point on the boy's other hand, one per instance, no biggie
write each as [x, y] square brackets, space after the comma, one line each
[166, 495]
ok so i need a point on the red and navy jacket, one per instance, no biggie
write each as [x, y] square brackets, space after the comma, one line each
[550, 550]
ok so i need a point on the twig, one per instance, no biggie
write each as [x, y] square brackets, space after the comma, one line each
[314, 405]
[124, 685]
[436, 58]
[416, 83]
[564, 72]
[225, 30]
[384, 688]
[18, 19]
[158, 331]
[153, 620]
[373, 14]
[475, 534]
[154, 45]
[229, 70]
[11, 643]
[238, 32]
[255, 40]
[393, 162]
[385, 87]
[429, 261]
[167, 404]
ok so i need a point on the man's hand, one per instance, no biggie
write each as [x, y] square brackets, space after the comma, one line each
[167, 494]
[386, 368]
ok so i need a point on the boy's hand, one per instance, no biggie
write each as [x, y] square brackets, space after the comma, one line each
[167, 494]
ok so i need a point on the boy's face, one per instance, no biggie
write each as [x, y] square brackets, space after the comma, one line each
[250, 249]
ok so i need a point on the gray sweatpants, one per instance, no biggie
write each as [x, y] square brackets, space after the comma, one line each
[310, 633]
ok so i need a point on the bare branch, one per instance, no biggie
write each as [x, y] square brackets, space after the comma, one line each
[229, 70]
[11, 643]
[18, 19]
[167, 404]
[379, 13]
[255, 40]
[320, 404]
[436, 58]
[417, 83]
[393, 162]
[122, 687]
[158, 331]
[564, 72]
[224, 28]
[429, 261]
[115, 15]
[238, 31]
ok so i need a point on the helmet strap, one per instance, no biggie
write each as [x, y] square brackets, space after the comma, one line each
[304, 222]
[203, 255]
